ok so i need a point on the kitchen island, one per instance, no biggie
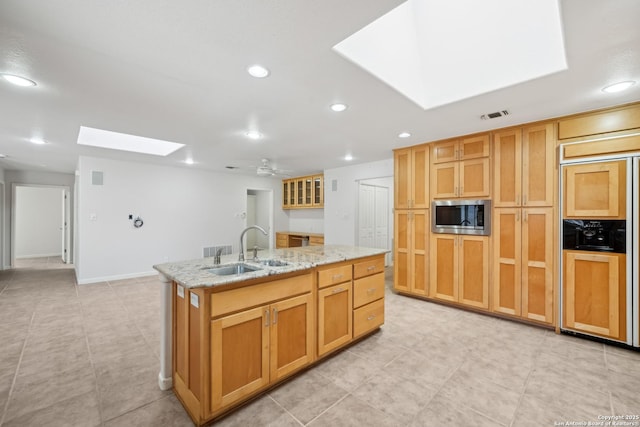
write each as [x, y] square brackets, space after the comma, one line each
[234, 330]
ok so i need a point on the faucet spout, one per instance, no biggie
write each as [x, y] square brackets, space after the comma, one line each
[257, 227]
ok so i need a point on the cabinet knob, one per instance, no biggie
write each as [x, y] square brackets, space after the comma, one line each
[336, 291]
[266, 317]
[371, 317]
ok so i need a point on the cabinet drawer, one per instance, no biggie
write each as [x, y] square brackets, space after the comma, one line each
[368, 318]
[332, 276]
[368, 289]
[368, 268]
[316, 240]
[282, 242]
[264, 293]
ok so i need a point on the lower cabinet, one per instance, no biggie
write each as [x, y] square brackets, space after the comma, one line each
[257, 346]
[460, 269]
[523, 263]
[335, 325]
[411, 261]
[594, 287]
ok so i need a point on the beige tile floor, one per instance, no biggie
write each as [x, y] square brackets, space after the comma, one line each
[88, 356]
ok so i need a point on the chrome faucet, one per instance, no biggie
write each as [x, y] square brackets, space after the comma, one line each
[216, 258]
[257, 227]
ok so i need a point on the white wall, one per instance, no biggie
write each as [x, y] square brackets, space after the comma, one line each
[340, 205]
[33, 178]
[306, 220]
[38, 221]
[3, 215]
[183, 210]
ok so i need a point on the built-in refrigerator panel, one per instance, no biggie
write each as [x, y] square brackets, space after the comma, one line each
[635, 250]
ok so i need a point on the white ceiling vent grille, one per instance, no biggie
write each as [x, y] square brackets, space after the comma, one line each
[494, 115]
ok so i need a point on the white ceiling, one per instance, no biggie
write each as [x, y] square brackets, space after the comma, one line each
[177, 71]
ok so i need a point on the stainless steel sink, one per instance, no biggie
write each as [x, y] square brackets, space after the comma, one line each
[231, 269]
[273, 263]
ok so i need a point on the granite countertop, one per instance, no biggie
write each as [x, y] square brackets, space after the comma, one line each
[194, 274]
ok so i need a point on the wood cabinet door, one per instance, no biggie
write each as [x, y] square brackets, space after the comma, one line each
[335, 324]
[318, 191]
[239, 356]
[507, 234]
[474, 271]
[474, 178]
[507, 180]
[444, 151]
[292, 193]
[402, 178]
[444, 180]
[537, 264]
[419, 271]
[308, 191]
[402, 244]
[291, 335]
[444, 267]
[419, 177]
[474, 147]
[595, 190]
[538, 165]
[285, 194]
[594, 293]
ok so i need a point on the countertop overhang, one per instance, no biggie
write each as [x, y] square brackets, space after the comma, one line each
[194, 274]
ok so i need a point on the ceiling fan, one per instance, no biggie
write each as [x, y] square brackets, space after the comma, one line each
[266, 169]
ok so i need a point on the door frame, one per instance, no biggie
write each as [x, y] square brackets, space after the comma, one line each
[270, 232]
[67, 204]
[372, 182]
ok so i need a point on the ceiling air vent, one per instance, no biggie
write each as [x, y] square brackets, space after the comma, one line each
[494, 115]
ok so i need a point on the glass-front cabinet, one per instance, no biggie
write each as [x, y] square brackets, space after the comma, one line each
[303, 192]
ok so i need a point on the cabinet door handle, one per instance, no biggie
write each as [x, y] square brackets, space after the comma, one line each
[524, 214]
[266, 317]
[336, 291]
[371, 317]
[371, 268]
[524, 200]
[275, 316]
[336, 277]
[455, 191]
[461, 191]
[517, 199]
[517, 216]
[371, 291]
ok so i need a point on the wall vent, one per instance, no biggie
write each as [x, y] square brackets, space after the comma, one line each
[494, 115]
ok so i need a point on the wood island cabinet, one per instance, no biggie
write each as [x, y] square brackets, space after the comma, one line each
[411, 261]
[524, 160]
[411, 177]
[460, 168]
[523, 263]
[595, 293]
[460, 269]
[595, 190]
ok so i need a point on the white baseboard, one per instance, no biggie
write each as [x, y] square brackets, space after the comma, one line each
[91, 280]
[38, 256]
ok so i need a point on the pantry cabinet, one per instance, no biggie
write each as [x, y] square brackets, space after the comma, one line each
[411, 177]
[594, 293]
[411, 259]
[595, 190]
[460, 269]
[524, 161]
[460, 168]
[523, 263]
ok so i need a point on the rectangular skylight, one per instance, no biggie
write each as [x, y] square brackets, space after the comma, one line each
[125, 142]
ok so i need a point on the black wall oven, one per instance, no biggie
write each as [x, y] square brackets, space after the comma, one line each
[461, 217]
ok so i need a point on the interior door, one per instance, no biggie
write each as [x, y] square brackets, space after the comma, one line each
[367, 216]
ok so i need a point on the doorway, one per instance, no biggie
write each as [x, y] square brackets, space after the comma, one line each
[40, 226]
[259, 212]
[374, 227]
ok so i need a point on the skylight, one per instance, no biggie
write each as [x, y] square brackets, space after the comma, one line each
[437, 52]
[122, 141]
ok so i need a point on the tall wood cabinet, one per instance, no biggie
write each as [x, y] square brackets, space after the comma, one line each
[410, 268]
[460, 168]
[460, 269]
[411, 177]
[523, 222]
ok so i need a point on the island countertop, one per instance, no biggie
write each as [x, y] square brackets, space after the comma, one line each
[194, 274]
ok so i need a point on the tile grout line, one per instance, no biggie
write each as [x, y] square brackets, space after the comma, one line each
[15, 375]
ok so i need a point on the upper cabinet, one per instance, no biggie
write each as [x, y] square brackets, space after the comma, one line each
[303, 192]
[460, 168]
[411, 177]
[524, 166]
[595, 190]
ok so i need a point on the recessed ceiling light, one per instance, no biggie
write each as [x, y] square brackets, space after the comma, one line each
[189, 161]
[258, 71]
[348, 157]
[618, 87]
[18, 81]
[38, 141]
[338, 107]
[125, 142]
[3, 156]
[404, 135]
[253, 134]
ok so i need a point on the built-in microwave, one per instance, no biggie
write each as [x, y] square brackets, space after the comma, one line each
[461, 217]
